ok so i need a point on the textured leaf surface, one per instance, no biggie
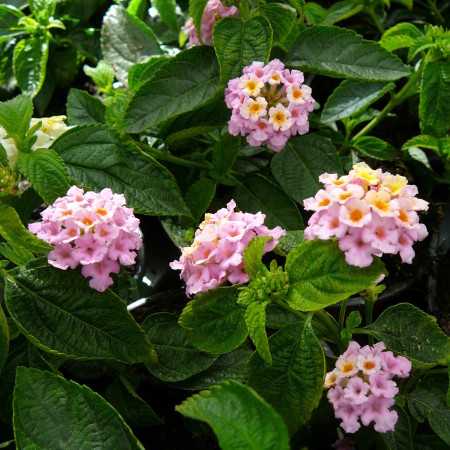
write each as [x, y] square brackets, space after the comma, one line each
[341, 53]
[177, 358]
[375, 148]
[225, 153]
[83, 108]
[255, 319]
[214, 321]
[4, 338]
[99, 159]
[293, 383]
[298, 166]
[319, 275]
[401, 35]
[253, 254]
[61, 314]
[411, 332]
[166, 10]
[240, 418]
[50, 412]
[18, 255]
[186, 82]
[15, 116]
[199, 196]
[141, 72]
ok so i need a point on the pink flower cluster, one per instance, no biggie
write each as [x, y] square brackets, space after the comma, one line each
[94, 230]
[361, 386]
[371, 212]
[216, 254]
[270, 104]
[214, 11]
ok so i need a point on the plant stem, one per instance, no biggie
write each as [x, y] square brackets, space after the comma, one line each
[369, 315]
[376, 20]
[342, 314]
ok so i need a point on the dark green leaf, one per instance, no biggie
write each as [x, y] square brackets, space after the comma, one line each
[409, 331]
[299, 5]
[239, 417]
[400, 438]
[253, 254]
[196, 9]
[186, 82]
[298, 166]
[177, 358]
[50, 412]
[375, 148]
[214, 322]
[9, 18]
[61, 314]
[141, 72]
[255, 319]
[293, 383]
[99, 159]
[225, 154]
[15, 117]
[166, 10]
[83, 108]
[340, 11]
[341, 53]
[319, 275]
[278, 317]
[401, 35]
[4, 338]
[199, 196]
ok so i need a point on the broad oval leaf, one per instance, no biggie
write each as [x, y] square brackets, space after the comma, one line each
[400, 438]
[199, 196]
[186, 82]
[298, 167]
[341, 53]
[83, 108]
[99, 159]
[4, 338]
[15, 116]
[51, 412]
[239, 417]
[177, 358]
[319, 275]
[141, 72]
[411, 332]
[375, 148]
[293, 384]
[214, 322]
[238, 44]
[60, 313]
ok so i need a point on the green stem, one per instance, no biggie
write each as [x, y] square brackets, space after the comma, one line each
[369, 316]
[342, 314]
[436, 11]
[376, 20]
[244, 9]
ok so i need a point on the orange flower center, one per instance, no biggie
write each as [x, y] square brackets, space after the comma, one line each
[345, 195]
[383, 206]
[369, 365]
[101, 211]
[403, 217]
[255, 108]
[347, 367]
[356, 215]
[324, 202]
[88, 222]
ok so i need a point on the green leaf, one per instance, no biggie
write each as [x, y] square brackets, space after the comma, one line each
[214, 322]
[238, 44]
[298, 166]
[72, 416]
[239, 417]
[341, 53]
[196, 9]
[319, 275]
[225, 153]
[375, 148]
[400, 438]
[15, 117]
[401, 35]
[177, 358]
[420, 44]
[115, 109]
[283, 20]
[130, 406]
[99, 159]
[434, 107]
[253, 254]
[4, 338]
[30, 64]
[102, 75]
[13, 232]
[257, 194]
[278, 317]
[9, 18]
[289, 241]
[340, 11]
[199, 196]
[410, 332]
[141, 72]
[126, 40]
[46, 172]
[351, 97]
[42, 9]
[299, 5]
[83, 108]
[18, 255]
[293, 383]
[255, 319]
[166, 11]
[61, 314]
[186, 82]
[431, 405]
[425, 141]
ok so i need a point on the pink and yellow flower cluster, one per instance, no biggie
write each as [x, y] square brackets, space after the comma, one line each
[214, 11]
[217, 253]
[269, 104]
[95, 230]
[361, 386]
[371, 212]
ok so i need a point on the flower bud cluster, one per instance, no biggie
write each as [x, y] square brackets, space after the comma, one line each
[361, 386]
[371, 212]
[94, 230]
[214, 11]
[269, 104]
[217, 253]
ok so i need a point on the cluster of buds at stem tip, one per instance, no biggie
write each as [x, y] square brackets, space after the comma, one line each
[8, 182]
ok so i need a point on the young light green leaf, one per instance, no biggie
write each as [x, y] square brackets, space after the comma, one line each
[186, 82]
[137, 8]
[9, 18]
[411, 332]
[166, 10]
[258, 194]
[51, 421]
[375, 148]
[319, 276]
[102, 75]
[419, 45]
[141, 72]
[434, 107]
[255, 319]
[177, 358]
[214, 322]
[298, 166]
[60, 313]
[4, 338]
[18, 255]
[42, 9]
[199, 196]
[425, 141]
[126, 40]
[196, 9]
[83, 108]
[293, 383]
[401, 35]
[253, 254]
[100, 159]
[341, 53]
[30, 64]
[239, 417]
[15, 117]
[351, 97]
